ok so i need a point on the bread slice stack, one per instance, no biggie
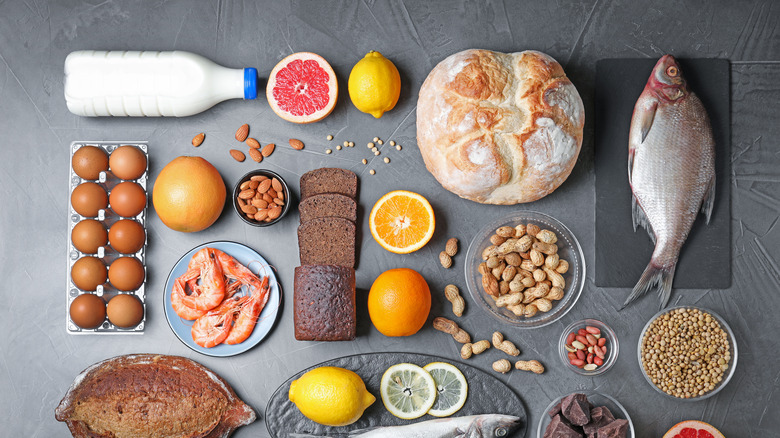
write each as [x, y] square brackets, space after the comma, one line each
[324, 287]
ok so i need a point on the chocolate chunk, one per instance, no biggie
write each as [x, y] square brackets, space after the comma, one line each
[615, 429]
[599, 416]
[576, 409]
[555, 410]
[560, 428]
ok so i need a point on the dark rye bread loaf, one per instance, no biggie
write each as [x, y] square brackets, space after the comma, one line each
[329, 180]
[146, 395]
[328, 205]
[324, 303]
[327, 241]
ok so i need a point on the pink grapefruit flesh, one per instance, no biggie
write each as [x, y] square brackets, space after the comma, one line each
[302, 88]
[693, 429]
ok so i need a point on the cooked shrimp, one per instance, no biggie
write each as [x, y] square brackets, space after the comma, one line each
[236, 271]
[248, 315]
[211, 290]
[214, 327]
[178, 293]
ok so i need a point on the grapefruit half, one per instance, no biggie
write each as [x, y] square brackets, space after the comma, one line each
[302, 88]
[693, 429]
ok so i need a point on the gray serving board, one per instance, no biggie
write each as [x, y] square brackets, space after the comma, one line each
[487, 395]
[621, 253]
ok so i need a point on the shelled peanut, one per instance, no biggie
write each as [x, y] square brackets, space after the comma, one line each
[586, 348]
[522, 270]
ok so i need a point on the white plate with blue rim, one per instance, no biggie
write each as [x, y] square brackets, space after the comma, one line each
[257, 264]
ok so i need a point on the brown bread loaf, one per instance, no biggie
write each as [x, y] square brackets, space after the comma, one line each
[327, 241]
[324, 303]
[328, 205]
[151, 396]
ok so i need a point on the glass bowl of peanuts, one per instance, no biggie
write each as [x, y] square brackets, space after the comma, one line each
[687, 353]
[261, 198]
[525, 269]
[588, 347]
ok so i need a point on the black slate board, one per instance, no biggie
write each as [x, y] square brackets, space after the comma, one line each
[487, 395]
[621, 254]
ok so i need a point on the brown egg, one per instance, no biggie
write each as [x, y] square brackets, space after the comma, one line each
[88, 273]
[125, 311]
[127, 199]
[88, 311]
[127, 162]
[89, 235]
[87, 198]
[89, 161]
[126, 236]
[126, 273]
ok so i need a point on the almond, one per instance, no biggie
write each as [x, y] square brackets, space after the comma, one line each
[242, 132]
[296, 144]
[261, 214]
[253, 184]
[198, 139]
[264, 186]
[277, 185]
[280, 195]
[252, 143]
[245, 185]
[271, 192]
[274, 213]
[268, 149]
[259, 203]
[249, 209]
[246, 194]
[255, 155]
[258, 178]
[278, 202]
[237, 155]
[267, 198]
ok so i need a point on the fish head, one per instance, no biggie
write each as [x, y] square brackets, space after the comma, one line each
[497, 426]
[667, 80]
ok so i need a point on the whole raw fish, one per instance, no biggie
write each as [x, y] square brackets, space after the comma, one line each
[474, 426]
[671, 169]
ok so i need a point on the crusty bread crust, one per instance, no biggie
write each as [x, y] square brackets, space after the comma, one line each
[151, 396]
[499, 128]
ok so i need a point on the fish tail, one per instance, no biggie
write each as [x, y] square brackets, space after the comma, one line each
[653, 276]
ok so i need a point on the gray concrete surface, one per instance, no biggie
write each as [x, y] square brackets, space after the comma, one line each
[38, 359]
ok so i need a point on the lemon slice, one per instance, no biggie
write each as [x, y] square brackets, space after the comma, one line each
[408, 391]
[451, 387]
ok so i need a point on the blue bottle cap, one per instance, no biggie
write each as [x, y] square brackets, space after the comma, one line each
[250, 83]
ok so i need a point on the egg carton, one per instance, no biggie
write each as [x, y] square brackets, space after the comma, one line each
[107, 217]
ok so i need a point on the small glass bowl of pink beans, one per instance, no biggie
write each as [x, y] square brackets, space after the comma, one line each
[588, 347]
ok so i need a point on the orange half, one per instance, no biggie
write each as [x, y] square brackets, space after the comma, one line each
[402, 222]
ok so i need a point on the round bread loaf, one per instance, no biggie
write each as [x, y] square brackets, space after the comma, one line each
[499, 128]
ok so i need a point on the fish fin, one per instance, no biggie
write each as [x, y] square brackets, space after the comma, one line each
[709, 200]
[653, 276]
[647, 116]
[631, 165]
[639, 217]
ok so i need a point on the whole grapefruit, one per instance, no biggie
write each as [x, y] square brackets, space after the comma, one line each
[399, 302]
[189, 194]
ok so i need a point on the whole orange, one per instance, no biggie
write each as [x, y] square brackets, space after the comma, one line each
[189, 194]
[399, 302]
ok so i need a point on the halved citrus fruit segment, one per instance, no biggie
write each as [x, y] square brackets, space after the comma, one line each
[302, 88]
[408, 391]
[693, 429]
[402, 221]
[451, 387]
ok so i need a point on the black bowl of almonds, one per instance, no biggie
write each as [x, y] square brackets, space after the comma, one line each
[525, 269]
[261, 198]
[687, 352]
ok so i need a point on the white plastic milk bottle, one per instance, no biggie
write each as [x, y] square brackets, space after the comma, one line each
[134, 83]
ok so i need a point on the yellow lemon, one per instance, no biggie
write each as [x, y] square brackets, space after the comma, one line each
[331, 396]
[374, 84]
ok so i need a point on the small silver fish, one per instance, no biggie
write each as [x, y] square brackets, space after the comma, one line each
[671, 168]
[473, 426]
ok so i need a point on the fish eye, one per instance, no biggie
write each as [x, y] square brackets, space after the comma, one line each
[500, 431]
[672, 71]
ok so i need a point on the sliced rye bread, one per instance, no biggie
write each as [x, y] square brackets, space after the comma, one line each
[324, 303]
[329, 180]
[328, 205]
[327, 241]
